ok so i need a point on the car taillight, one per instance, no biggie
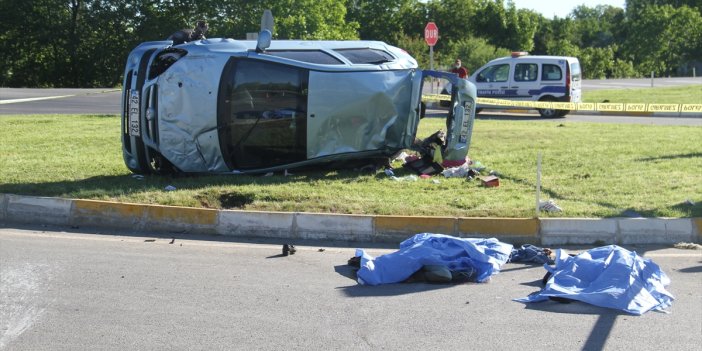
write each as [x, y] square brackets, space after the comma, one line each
[568, 82]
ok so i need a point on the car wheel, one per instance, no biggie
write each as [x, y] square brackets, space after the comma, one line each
[159, 164]
[548, 112]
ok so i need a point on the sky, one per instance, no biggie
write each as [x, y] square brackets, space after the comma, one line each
[561, 8]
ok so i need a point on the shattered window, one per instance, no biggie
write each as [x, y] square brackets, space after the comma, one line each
[311, 56]
[368, 56]
[262, 114]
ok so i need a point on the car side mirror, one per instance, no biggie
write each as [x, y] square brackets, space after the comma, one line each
[264, 40]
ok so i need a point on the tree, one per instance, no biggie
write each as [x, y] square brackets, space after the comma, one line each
[663, 38]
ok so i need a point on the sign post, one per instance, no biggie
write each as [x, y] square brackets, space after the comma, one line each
[431, 36]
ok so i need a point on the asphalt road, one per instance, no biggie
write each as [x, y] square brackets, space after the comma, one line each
[107, 101]
[67, 290]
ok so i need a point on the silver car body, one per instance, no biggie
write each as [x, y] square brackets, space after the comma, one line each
[219, 106]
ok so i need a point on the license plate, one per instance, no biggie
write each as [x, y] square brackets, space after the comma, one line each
[134, 125]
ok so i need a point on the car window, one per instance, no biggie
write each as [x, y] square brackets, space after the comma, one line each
[262, 114]
[496, 73]
[575, 71]
[551, 72]
[311, 56]
[369, 56]
[526, 72]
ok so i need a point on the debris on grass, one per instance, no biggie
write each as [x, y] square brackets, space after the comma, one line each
[687, 246]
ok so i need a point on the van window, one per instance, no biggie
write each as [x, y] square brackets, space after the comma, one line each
[526, 72]
[262, 114]
[497, 73]
[551, 72]
[575, 71]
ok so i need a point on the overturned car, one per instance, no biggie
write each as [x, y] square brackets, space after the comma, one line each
[229, 106]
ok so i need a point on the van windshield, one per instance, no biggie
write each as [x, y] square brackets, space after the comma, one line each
[575, 71]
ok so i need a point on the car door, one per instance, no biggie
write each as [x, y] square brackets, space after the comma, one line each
[493, 81]
[361, 111]
[524, 82]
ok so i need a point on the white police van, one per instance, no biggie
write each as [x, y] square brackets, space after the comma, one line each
[530, 78]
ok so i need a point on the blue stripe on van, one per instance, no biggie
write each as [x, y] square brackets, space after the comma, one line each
[512, 93]
[548, 89]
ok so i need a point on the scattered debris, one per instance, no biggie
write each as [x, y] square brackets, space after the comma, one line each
[172, 240]
[631, 214]
[409, 178]
[435, 181]
[389, 172]
[401, 157]
[321, 250]
[137, 176]
[425, 176]
[169, 188]
[286, 173]
[150, 240]
[490, 181]
[549, 206]
[687, 246]
[289, 249]
[269, 174]
[689, 202]
[457, 172]
[531, 253]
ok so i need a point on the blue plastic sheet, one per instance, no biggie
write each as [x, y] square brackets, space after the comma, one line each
[481, 258]
[608, 276]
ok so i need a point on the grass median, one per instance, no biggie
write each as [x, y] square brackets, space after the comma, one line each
[689, 94]
[590, 170]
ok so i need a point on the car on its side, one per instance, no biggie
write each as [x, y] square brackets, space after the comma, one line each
[230, 106]
[524, 77]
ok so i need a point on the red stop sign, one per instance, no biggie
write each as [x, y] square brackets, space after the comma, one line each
[431, 33]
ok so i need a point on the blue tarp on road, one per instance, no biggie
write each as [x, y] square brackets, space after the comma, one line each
[480, 258]
[608, 276]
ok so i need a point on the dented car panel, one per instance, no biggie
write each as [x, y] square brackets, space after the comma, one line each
[375, 106]
[219, 106]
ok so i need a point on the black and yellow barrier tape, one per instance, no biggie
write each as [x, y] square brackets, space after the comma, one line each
[579, 106]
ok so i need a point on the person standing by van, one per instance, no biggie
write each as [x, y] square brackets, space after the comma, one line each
[457, 68]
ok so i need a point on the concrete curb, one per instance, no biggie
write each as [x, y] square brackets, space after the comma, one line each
[350, 228]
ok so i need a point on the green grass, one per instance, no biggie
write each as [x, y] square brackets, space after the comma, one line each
[590, 170]
[690, 94]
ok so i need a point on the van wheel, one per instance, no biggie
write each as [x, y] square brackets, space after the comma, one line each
[548, 112]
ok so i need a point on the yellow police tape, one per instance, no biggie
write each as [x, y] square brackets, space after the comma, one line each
[580, 106]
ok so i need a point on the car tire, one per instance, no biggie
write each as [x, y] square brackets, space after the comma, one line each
[548, 112]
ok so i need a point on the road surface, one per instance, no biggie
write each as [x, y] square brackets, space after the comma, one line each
[69, 289]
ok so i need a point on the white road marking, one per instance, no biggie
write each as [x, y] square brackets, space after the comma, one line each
[14, 101]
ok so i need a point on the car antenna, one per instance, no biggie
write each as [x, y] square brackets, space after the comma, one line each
[264, 37]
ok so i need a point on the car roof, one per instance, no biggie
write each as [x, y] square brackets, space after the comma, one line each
[532, 58]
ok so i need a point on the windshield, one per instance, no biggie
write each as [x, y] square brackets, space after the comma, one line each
[262, 114]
